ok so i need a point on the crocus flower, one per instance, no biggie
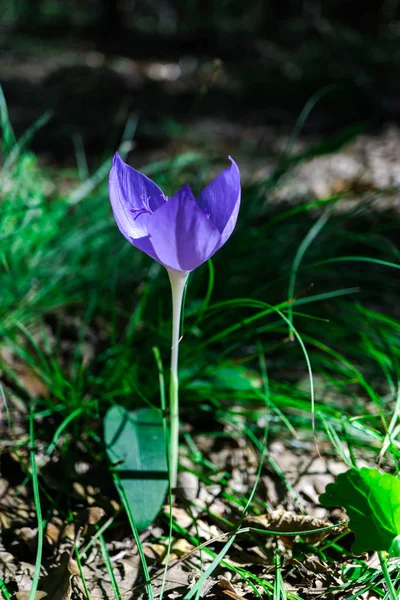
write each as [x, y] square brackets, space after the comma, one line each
[182, 232]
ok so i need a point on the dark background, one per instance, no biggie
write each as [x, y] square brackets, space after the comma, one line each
[170, 62]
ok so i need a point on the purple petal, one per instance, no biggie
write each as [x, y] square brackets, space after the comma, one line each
[182, 236]
[133, 198]
[221, 201]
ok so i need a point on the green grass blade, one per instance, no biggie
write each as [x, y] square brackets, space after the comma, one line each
[136, 536]
[302, 249]
[110, 570]
[36, 497]
[25, 139]
[5, 125]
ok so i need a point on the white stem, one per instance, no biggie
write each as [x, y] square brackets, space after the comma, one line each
[178, 282]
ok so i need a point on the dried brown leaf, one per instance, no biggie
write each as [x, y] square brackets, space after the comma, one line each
[53, 531]
[24, 595]
[92, 515]
[224, 589]
[180, 515]
[27, 377]
[7, 564]
[285, 521]
[28, 535]
[57, 585]
[14, 509]
[98, 582]
[178, 549]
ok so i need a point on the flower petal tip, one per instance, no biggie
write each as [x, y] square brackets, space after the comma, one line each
[116, 158]
[234, 163]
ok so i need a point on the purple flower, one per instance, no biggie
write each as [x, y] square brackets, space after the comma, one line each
[181, 232]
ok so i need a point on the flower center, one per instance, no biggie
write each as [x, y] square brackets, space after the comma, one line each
[146, 208]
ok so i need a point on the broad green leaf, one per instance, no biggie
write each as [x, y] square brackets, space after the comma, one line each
[232, 377]
[372, 501]
[135, 444]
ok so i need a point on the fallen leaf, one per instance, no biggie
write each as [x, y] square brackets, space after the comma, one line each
[24, 595]
[285, 521]
[57, 583]
[26, 375]
[178, 549]
[91, 515]
[225, 589]
[28, 536]
[53, 531]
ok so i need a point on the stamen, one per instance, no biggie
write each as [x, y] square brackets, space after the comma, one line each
[207, 212]
[140, 211]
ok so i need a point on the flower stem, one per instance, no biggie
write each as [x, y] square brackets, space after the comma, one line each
[178, 282]
[392, 592]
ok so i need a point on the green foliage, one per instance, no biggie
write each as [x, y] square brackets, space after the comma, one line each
[372, 501]
[136, 447]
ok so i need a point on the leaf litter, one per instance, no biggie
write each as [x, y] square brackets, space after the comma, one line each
[205, 514]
